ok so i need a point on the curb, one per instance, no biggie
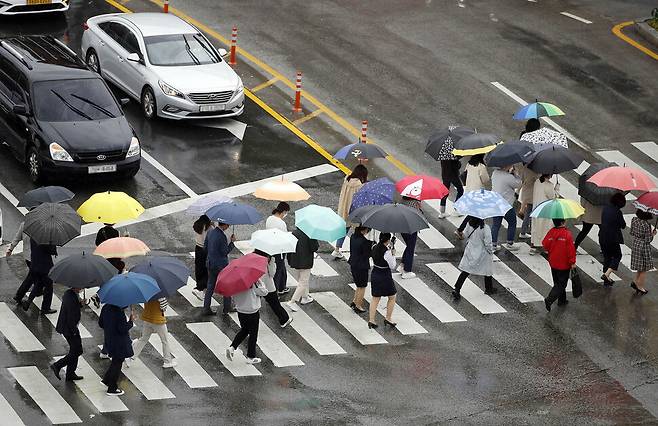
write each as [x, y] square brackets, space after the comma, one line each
[647, 32]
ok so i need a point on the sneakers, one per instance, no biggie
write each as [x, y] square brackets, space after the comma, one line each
[534, 250]
[285, 324]
[115, 392]
[306, 300]
[408, 275]
[459, 234]
[337, 254]
[525, 236]
[496, 247]
[104, 356]
[229, 353]
[400, 268]
[199, 294]
[169, 364]
[253, 360]
[511, 247]
[284, 291]
[443, 215]
[292, 306]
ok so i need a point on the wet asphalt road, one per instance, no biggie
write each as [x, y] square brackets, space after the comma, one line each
[591, 363]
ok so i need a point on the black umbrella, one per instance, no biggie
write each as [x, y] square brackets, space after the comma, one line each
[169, 272]
[597, 195]
[506, 154]
[441, 143]
[82, 271]
[394, 218]
[477, 143]
[45, 194]
[52, 224]
[555, 159]
[357, 215]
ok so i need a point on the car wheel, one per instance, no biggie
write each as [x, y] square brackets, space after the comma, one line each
[34, 165]
[92, 61]
[149, 105]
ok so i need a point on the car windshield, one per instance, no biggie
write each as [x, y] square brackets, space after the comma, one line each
[180, 50]
[74, 100]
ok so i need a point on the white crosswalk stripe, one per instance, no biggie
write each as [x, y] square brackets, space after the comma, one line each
[187, 367]
[434, 239]
[516, 285]
[405, 322]
[187, 292]
[314, 335]
[625, 250]
[537, 264]
[217, 342]
[20, 337]
[44, 395]
[429, 299]
[353, 323]
[472, 293]
[9, 415]
[57, 304]
[322, 269]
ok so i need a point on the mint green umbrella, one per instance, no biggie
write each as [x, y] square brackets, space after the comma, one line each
[320, 223]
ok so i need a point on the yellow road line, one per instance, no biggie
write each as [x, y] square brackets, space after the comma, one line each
[119, 6]
[616, 30]
[307, 117]
[268, 83]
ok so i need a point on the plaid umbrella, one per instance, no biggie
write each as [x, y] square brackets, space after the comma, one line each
[441, 143]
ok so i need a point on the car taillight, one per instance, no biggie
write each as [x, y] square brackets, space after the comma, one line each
[85, 26]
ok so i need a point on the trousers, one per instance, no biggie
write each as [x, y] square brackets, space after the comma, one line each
[200, 268]
[148, 329]
[281, 274]
[210, 289]
[111, 376]
[488, 282]
[527, 220]
[272, 299]
[583, 233]
[70, 361]
[42, 284]
[559, 290]
[303, 277]
[408, 254]
[26, 284]
[452, 179]
[510, 218]
[248, 327]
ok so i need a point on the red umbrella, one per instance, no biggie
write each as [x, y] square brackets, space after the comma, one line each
[623, 178]
[647, 202]
[422, 187]
[240, 274]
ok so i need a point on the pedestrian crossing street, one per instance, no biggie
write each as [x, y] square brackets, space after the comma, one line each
[338, 331]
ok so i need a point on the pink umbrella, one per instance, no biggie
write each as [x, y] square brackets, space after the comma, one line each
[240, 274]
[421, 187]
[623, 178]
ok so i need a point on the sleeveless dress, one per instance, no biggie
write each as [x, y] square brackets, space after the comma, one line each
[381, 278]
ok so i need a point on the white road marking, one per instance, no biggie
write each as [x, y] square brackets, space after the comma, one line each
[162, 169]
[44, 395]
[9, 415]
[314, 335]
[321, 268]
[577, 18]
[237, 128]
[187, 367]
[186, 292]
[10, 197]
[405, 323]
[353, 323]
[57, 304]
[20, 337]
[537, 264]
[272, 346]
[434, 239]
[593, 236]
[429, 299]
[513, 283]
[471, 292]
[217, 342]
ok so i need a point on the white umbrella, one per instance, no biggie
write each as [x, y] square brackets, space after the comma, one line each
[273, 241]
[203, 204]
[546, 135]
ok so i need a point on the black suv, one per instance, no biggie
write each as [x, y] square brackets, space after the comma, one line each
[57, 116]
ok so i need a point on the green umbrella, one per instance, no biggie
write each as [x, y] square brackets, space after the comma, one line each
[320, 223]
[558, 208]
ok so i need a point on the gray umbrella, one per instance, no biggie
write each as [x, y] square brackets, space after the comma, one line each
[82, 271]
[45, 194]
[169, 272]
[52, 224]
[394, 218]
[597, 195]
[357, 215]
[441, 143]
[555, 160]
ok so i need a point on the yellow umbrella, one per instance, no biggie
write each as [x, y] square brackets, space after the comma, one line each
[110, 207]
[282, 190]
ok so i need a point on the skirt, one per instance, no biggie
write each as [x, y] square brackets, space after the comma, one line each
[381, 283]
[641, 258]
[360, 276]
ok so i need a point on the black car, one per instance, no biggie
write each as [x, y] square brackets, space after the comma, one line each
[57, 116]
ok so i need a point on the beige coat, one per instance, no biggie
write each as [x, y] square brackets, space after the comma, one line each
[592, 212]
[347, 192]
[540, 227]
[477, 177]
[528, 178]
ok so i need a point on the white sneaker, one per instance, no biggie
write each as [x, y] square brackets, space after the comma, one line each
[511, 247]
[496, 247]
[229, 353]
[253, 360]
[400, 268]
[284, 325]
[408, 275]
[104, 356]
[337, 254]
[306, 300]
[170, 364]
[525, 236]
[198, 294]
[443, 215]
[292, 306]
[117, 392]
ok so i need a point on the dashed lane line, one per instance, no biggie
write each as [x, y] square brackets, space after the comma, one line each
[577, 18]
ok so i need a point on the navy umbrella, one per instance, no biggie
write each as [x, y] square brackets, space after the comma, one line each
[441, 143]
[45, 194]
[82, 271]
[360, 151]
[376, 192]
[169, 272]
[234, 214]
[506, 154]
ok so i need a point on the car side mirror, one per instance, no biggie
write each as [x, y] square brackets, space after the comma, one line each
[134, 57]
[20, 110]
[124, 101]
[222, 52]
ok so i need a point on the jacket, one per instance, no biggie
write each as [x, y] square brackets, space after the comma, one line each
[505, 184]
[116, 328]
[477, 177]
[18, 237]
[559, 245]
[268, 278]
[105, 233]
[347, 191]
[153, 312]
[42, 257]
[217, 247]
[528, 179]
[303, 256]
[248, 302]
[478, 254]
[69, 314]
[612, 222]
[592, 212]
[360, 250]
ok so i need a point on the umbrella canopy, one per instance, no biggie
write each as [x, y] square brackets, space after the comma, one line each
[536, 110]
[623, 178]
[478, 143]
[421, 187]
[273, 241]
[121, 247]
[201, 206]
[546, 135]
[320, 223]
[168, 272]
[558, 208]
[441, 143]
[45, 194]
[282, 190]
[647, 202]
[240, 274]
[597, 195]
[555, 159]
[357, 215]
[360, 151]
[82, 271]
[506, 154]
[234, 214]
[53, 224]
[377, 192]
[110, 207]
[128, 289]
[394, 218]
[482, 204]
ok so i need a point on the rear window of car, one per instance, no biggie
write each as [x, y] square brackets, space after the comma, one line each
[180, 50]
[74, 100]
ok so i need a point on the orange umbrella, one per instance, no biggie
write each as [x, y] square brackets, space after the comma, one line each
[122, 247]
[282, 190]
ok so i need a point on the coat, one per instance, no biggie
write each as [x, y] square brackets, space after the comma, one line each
[42, 257]
[641, 257]
[217, 249]
[528, 179]
[116, 328]
[360, 250]
[540, 227]
[477, 177]
[303, 256]
[69, 314]
[612, 222]
[478, 254]
[347, 191]
[592, 212]
[560, 247]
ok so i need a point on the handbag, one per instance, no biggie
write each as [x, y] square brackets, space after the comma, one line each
[576, 284]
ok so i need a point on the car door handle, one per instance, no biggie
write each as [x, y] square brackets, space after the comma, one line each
[120, 58]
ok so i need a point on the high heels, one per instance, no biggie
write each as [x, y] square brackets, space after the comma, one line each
[387, 322]
[372, 325]
[638, 290]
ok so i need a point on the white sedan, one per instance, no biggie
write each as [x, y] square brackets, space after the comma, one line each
[19, 7]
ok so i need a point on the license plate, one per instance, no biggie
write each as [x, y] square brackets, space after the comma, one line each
[105, 168]
[39, 2]
[211, 108]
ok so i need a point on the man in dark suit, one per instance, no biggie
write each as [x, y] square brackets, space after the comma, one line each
[67, 326]
[42, 261]
[218, 247]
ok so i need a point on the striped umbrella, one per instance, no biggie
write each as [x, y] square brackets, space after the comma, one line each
[558, 208]
[536, 110]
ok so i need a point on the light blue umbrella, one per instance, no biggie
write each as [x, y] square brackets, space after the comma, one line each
[128, 289]
[482, 204]
[320, 223]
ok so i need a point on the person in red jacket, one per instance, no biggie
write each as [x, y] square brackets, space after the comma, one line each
[562, 258]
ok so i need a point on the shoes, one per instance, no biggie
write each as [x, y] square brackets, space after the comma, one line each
[563, 303]
[337, 254]
[525, 236]
[490, 290]
[199, 294]
[18, 300]
[459, 234]
[634, 287]
[547, 304]
[642, 291]
[253, 360]
[229, 310]
[285, 324]
[284, 291]
[456, 295]
[292, 306]
[73, 377]
[96, 300]
[229, 353]
[511, 247]
[387, 322]
[55, 370]
[408, 275]
[496, 247]
[372, 325]
[26, 305]
[170, 364]
[207, 312]
[534, 250]
[443, 215]
[357, 309]
[400, 268]
[115, 392]
[306, 300]
[48, 311]
[607, 282]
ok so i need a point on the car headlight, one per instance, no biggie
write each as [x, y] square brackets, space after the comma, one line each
[58, 153]
[170, 91]
[239, 91]
[134, 148]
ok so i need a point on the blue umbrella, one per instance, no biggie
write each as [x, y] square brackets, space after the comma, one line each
[170, 273]
[360, 151]
[482, 204]
[234, 214]
[128, 289]
[376, 192]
